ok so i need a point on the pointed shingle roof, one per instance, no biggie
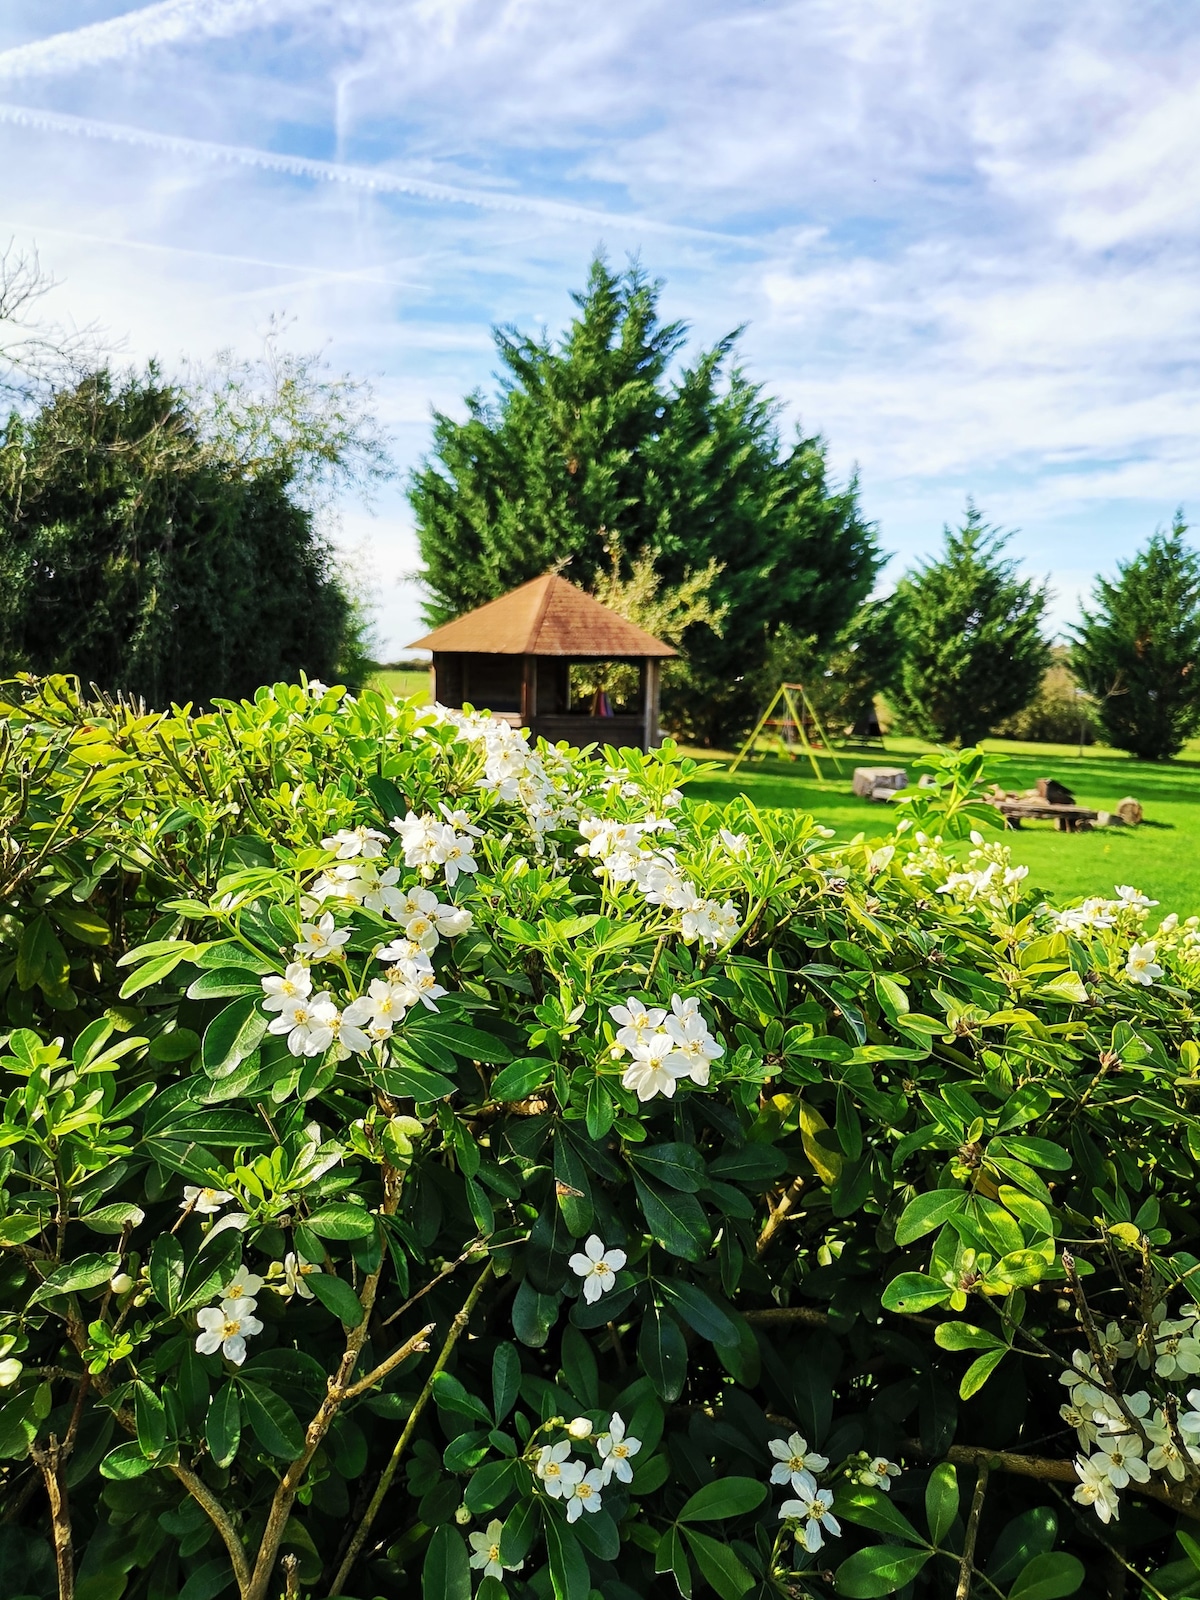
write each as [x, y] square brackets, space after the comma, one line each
[548, 617]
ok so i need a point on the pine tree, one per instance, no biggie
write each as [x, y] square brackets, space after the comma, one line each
[972, 652]
[589, 447]
[1138, 650]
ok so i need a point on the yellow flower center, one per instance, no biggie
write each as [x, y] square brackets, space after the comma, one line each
[584, 1491]
[493, 1552]
[228, 1329]
[620, 1451]
[551, 1470]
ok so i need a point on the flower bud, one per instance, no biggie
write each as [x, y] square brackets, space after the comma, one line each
[580, 1428]
[462, 1516]
[120, 1283]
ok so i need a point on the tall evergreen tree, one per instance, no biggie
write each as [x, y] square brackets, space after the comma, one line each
[972, 651]
[1138, 649]
[142, 555]
[590, 447]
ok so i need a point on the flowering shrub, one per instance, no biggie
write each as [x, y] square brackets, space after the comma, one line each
[428, 1160]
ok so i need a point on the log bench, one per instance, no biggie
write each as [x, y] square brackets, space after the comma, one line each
[1067, 819]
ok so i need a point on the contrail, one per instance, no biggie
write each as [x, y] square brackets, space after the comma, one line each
[169, 22]
[371, 179]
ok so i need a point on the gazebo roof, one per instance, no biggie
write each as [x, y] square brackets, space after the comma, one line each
[548, 617]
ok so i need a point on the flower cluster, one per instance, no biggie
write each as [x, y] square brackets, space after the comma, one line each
[665, 1047]
[1125, 1437]
[227, 1326]
[579, 1485]
[1096, 914]
[810, 1512]
[538, 781]
[623, 857]
[990, 876]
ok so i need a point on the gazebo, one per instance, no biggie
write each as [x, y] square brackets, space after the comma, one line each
[513, 657]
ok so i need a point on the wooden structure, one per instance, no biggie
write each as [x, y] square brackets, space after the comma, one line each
[1031, 808]
[786, 721]
[513, 657]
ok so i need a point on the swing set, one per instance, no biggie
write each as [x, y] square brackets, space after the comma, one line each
[786, 725]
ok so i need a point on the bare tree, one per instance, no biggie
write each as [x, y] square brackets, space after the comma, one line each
[37, 353]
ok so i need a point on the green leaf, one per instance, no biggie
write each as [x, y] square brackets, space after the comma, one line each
[470, 1043]
[569, 1574]
[506, 1379]
[223, 1425]
[231, 1036]
[929, 1211]
[85, 1272]
[880, 1569]
[151, 1418]
[520, 1078]
[698, 1311]
[726, 1497]
[941, 1501]
[965, 1336]
[914, 1291]
[492, 1485]
[336, 1295]
[342, 1220]
[1026, 1536]
[719, 1567]
[126, 1461]
[1038, 1152]
[978, 1373]
[662, 1351]
[672, 1557]
[871, 1509]
[224, 984]
[115, 1218]
[676, 1220]
[272, 1420]
[166, 1271]
[82, 923]
[534, 1314]
[446, 1574]
[450, 1395]
[679, 1166]
[1048, 1577]
[407, 1080]
[205, 1582]
[153, 971]
[19, 1229]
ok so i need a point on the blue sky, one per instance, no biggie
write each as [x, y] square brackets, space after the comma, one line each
[963, 239]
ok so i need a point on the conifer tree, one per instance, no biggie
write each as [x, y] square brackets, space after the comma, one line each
[1138, 649]
[591, 446]
[972, 651]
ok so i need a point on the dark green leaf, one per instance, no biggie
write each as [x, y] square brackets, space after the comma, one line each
[941, 1501]
[699, 1311]
[726, 1497]
[929, 1211]
[1048, 1577]
[450, 1395]
[662, 1351]
[272, 1421]
[569, 1575]
[679, 1166]
[676, 1220]
[446, 1574]
[871, 1509]
[880, 1569]
[492, 1485]
[520, 1078]
[342, 1220]
[719, 1567]
[914, 1291]
[223, 1425]
[336, 1295]
[231, 1036]
[506, 1379]
[85, 1272]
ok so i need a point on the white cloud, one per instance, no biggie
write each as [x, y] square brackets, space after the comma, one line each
[964, 240]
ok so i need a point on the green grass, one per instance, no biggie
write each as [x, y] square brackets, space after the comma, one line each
[404, 684]
[1161, 857]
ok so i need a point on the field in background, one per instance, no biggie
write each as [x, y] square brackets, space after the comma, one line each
[1161, 857]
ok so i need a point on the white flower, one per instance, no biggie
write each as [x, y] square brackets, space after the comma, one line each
[1095, 1490]
[452, 852]
[709, 922]
[295, 1269]
[1121, 1461]
[692, 1041]
[636, 1021]
[206, 1201]
[226, 1328]
[486, 1546]
[796, 1464]
[584, 1495]
[735, 843]
[1115, 1346]
[878, 1474]
[656, 1067]
[814, 1508]
[320, 939]
[597, 1267]
[579, 1428]
[1177, 1351]
[616, 1447]
[242, 1286]
[349, 842]
[1141, 965]
[308, 1025]
[460, 820]
[422, 930]
[296, 984]
[383, 1005]
[316, 688]
[1166, 1455]
[1129, 896]
[559, 1475]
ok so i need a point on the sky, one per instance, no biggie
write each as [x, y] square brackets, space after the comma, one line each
[962, 240]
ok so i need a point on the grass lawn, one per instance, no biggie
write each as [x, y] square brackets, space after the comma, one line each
[406, 684]
[1161, 857]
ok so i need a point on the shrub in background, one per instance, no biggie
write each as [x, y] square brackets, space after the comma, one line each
[429, 1160]
[1057, 714]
